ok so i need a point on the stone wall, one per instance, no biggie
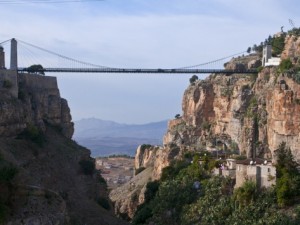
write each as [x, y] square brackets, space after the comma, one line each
[262, 175]
[34, 101]
[9, 82]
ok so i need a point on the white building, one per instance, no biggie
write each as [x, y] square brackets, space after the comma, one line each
[267, 59]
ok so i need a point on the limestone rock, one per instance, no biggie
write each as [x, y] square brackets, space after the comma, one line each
[253, 64]
[37, 103]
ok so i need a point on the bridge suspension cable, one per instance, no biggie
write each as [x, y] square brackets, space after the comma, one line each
[55, 62]
[211, 62]
[64, 57]
[15, 2]
[4, 42]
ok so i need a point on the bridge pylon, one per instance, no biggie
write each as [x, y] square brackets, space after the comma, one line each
[13, 54]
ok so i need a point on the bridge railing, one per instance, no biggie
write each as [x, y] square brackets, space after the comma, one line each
[128, 70]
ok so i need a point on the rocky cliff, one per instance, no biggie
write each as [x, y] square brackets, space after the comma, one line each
[31, 99]
[242, 114]
[45, 177]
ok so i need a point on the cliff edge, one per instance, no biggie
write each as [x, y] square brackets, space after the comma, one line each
[45, 177]
[231, 115]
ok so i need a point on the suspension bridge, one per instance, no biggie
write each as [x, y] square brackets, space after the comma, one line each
[23, 55]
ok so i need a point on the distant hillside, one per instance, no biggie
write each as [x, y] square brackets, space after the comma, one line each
[107, 137]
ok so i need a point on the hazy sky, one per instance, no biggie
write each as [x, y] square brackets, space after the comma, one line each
[144, 34]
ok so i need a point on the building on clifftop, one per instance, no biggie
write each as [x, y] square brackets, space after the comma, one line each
[267, 59]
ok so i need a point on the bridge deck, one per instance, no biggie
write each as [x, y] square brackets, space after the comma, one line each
[120, 70]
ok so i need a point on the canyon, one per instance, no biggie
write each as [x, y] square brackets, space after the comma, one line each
[239, 115]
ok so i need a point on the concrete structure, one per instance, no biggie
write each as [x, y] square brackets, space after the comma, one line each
[227, 169]
[14, 55]
[2, 58]
[231, 164]
[267, 59]
[263, 174]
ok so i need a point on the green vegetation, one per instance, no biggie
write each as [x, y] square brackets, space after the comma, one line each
[277, 45]
[288, 176]
[252, 108]
[175, 200]
[34, 134]
[7, 84]
[193, 79]
[295, 31]
[37, 69]
[145, 146]
[7, 174]
[285, 65]
[259, 69]
[205, 125]
[226, 92]
[177, 116]
[87, 166]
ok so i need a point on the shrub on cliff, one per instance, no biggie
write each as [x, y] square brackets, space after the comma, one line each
[277, 45]
[288, 176]
[34, 134]
[87, 166]
[145, 146]
[285, 64]
[7, 84]
[193, 79]
[37, 69]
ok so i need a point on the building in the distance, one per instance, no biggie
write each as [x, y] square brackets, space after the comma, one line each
[262, 172]
[267, 59]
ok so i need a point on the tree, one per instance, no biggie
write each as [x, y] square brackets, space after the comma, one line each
[277, 45]
[193, 79]
[248, 49]
[288, 177]
[37, 69]
[246, 194]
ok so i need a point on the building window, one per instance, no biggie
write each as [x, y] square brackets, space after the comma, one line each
[269, 170]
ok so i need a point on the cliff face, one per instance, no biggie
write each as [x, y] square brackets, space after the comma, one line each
[45, 177]
[243, 114]
[247, 114]
[28, 99]
[152, 159]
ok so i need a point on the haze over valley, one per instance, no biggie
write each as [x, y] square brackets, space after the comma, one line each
[105, 138]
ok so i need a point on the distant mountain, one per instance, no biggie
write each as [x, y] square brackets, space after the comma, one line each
[107, 137]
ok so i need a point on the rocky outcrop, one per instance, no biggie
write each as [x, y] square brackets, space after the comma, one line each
[292, 48]
[145, 156]
[243, 114]
[246, 114]
[128, 197]
[46, 178]
[37, 103]
[152, 159]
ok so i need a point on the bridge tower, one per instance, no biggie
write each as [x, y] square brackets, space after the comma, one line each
[13, 54]
[2, 58]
